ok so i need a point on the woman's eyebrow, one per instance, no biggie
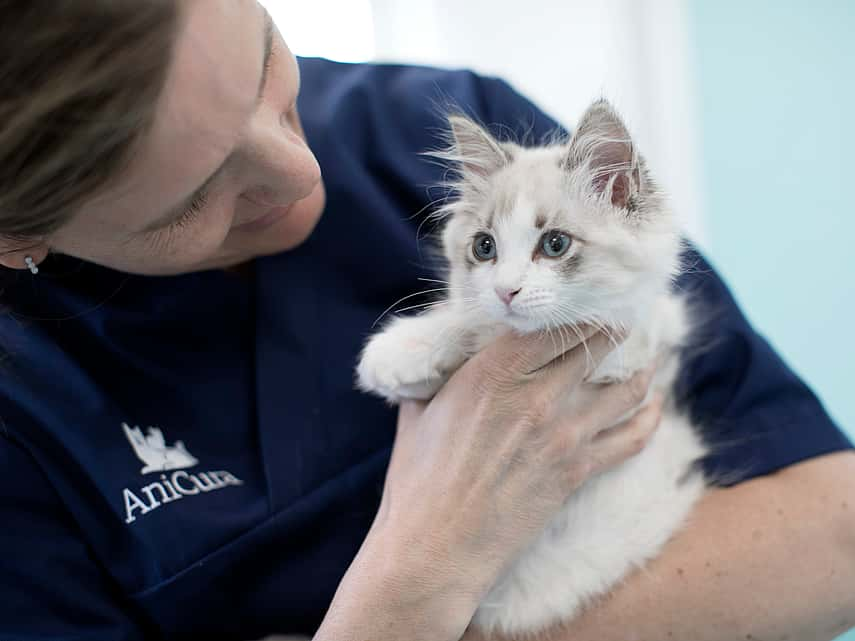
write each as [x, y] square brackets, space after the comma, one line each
[178, 210]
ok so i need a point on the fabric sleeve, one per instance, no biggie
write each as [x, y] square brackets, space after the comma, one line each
[50, 586]
[755, 413]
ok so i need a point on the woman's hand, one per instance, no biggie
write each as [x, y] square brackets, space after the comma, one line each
[478, 472]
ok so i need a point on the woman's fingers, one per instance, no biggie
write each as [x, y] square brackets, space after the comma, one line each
[518, 356]
[601, 405]
[562, 375]
[616, 444]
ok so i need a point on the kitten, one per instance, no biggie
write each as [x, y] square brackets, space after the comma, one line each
[542, 238]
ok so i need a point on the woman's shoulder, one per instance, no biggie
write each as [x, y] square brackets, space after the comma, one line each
[407, 105]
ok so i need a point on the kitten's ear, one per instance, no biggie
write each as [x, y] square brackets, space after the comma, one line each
[478, 153]
[603, 147]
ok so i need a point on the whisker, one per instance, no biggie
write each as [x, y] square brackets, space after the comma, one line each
[400, 300]
[430, 305]
[434, 280]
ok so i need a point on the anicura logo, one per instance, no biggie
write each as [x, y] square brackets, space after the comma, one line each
[157, 456]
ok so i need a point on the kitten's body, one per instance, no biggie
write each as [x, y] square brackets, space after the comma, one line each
[625, 248]
[616, 521]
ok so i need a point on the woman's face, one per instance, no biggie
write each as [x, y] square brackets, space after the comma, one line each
[224, 174]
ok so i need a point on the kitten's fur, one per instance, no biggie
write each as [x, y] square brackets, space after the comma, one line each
[617, 272]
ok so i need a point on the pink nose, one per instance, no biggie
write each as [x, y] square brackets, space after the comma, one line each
[506, 295]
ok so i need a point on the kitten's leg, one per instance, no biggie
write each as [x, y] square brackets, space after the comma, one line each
[413, 356]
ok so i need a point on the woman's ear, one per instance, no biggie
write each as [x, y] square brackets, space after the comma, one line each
[14, 253]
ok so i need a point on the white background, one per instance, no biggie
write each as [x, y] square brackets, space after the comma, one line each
[561, 54]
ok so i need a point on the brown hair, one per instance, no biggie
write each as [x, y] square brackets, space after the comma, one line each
[79, 84]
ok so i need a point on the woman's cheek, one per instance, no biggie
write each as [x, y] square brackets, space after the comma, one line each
[205, 239]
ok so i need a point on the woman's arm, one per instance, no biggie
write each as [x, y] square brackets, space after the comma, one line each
[474, 476]
[771, 559]
[385, 596]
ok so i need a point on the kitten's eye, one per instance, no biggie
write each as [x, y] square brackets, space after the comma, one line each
[484, 247]
[555, 243]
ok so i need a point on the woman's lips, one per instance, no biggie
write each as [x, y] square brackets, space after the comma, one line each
[268, 219]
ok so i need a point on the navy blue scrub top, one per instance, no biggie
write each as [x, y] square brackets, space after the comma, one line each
[186, 457]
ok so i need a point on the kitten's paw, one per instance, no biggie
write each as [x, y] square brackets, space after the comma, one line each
[405, 362]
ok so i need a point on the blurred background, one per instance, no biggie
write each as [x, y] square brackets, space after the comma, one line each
[743, 109]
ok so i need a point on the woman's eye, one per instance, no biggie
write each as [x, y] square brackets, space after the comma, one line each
[192, 213]
[555, 243]
[484, 247]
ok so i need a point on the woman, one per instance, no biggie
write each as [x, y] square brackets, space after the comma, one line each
[183, 453]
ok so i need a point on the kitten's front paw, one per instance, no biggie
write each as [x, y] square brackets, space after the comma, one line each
[402, 362]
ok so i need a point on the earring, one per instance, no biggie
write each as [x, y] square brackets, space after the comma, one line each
[31, 264]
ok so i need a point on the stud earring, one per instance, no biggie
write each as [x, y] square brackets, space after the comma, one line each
[31, 264]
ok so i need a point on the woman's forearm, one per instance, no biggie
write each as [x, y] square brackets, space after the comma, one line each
[390, 593]
[769, 559]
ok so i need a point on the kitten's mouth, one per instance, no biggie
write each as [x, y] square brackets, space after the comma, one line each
[527, 319]
[519, 320]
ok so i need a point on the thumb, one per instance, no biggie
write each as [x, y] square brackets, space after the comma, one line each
[409, 411]
[517, 353]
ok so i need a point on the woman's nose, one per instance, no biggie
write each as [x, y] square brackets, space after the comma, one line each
[282, 168]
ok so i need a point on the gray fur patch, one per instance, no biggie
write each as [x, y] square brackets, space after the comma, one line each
[570, 266]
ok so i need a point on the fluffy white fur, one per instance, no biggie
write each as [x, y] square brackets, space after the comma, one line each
[617, 272]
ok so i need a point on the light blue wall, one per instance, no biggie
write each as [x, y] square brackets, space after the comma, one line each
[777, 96]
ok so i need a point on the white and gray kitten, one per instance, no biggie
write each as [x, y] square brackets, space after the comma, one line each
[545, 238]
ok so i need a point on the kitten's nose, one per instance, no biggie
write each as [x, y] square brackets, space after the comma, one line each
[506, 295]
